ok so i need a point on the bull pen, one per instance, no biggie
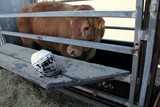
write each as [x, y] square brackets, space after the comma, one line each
[143, 54]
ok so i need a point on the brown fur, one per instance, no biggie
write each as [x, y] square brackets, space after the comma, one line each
[81, 28]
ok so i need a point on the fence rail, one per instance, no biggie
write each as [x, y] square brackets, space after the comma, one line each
[116, 14]
[102, 46]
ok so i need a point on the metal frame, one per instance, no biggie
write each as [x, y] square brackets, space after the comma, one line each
[138, 24]
[147, 35]
[154, 7]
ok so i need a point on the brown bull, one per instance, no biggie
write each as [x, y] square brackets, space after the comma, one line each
[80, 28]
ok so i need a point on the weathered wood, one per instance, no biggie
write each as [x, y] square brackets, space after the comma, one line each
[74, 72]
[25, 70]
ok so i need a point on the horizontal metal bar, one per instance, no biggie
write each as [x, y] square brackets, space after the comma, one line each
[92, 13]
[71, 0]
[119, 28]
[102, 46]
[104, 95]
[81, 97]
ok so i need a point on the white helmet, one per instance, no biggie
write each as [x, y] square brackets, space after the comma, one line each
[44, 62]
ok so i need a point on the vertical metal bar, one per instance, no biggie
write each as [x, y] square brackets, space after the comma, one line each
[2, 38]
[149, 51]
[138, 25]
[156, 51]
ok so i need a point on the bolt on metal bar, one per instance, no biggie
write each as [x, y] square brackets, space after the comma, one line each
[86, 13]
[102, 46]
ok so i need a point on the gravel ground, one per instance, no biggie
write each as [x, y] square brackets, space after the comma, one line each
[18, 92]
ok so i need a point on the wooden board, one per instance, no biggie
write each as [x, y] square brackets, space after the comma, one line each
[74, 72]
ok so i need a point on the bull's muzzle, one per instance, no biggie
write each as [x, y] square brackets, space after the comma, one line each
[74, 51]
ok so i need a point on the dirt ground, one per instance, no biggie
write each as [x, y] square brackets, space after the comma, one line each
[18, 92]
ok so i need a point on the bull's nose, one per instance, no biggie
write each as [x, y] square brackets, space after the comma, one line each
[71, 52]
[74, 52]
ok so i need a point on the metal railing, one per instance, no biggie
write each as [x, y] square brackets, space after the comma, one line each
[103, 46]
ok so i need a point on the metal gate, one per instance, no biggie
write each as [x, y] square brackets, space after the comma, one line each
[142, 51]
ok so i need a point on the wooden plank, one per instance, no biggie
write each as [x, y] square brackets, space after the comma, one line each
[74, 72]
[25, 70]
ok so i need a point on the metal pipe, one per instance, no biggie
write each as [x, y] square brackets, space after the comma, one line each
[135, 62]
[81, 97]
[102, 46]
[104, 95]
[92, 13]
[119, 28]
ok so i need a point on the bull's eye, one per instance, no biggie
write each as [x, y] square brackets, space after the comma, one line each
[86, 28]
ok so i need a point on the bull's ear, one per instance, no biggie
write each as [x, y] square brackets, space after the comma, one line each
[69, 19]
[100, 23]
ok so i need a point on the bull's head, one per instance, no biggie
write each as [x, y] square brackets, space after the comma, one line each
[84, 28]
